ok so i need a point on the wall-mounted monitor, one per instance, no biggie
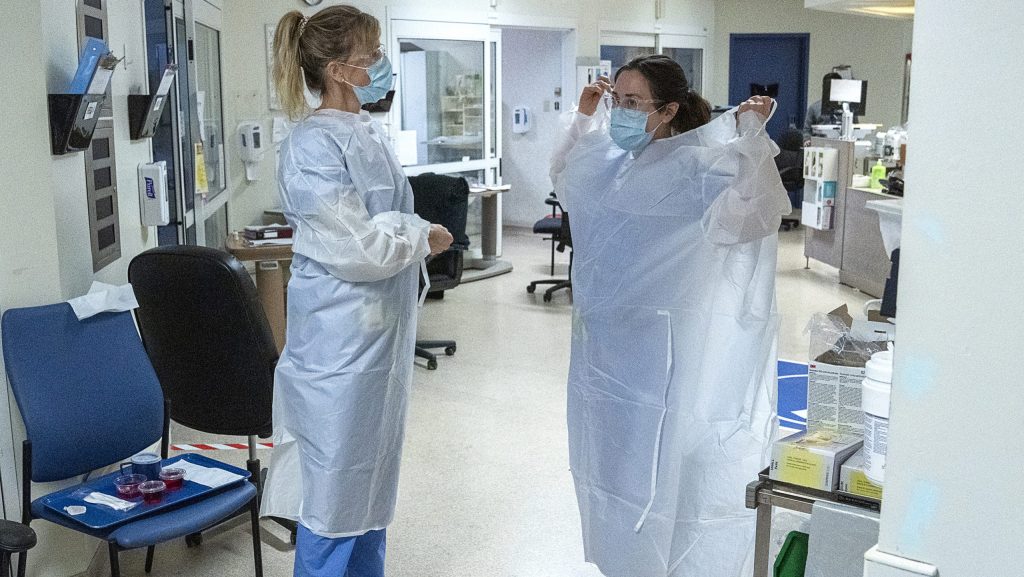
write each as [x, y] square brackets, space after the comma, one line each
[840, 90]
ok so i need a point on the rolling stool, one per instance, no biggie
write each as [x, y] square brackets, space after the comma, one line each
[14, 538]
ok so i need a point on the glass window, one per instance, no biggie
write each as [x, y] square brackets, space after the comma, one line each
[208, 105]
[217, 228]
[691, 59]
[620, 55]
[443, 98]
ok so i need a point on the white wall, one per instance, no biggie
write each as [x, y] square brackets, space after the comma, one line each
[531, 70]
[245, 85]
[28, 241]
[874, 47]
[953, 473]
[60, 57]
[44, 234]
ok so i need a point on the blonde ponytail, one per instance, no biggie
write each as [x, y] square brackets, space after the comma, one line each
[304, 46]
[288, 65]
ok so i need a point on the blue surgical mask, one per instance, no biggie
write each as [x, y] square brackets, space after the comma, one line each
[381, 81]
[629, 129]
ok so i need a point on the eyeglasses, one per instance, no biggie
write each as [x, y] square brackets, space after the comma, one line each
[371, 58]
[631, 103]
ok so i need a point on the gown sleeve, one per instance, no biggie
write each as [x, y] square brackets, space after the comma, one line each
[743, 191]
[333, 226]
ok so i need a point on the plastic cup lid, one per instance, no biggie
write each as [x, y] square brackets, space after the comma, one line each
[879, 367]
[145, 458]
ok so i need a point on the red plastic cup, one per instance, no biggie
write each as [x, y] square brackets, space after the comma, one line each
[152, 491]
[128, 485]
[173, 477]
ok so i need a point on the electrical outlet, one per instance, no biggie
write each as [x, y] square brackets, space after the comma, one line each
[558, 106]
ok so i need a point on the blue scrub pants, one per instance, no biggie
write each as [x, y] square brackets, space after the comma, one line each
[317, 556]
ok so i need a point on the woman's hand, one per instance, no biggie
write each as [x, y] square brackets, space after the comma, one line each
[592, 94]
[761, 105]
[439, 239]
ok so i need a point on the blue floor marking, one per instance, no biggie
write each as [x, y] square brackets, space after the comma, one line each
[792, 394]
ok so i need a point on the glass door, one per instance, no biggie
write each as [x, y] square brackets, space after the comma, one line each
[190, 136]
[447, 98]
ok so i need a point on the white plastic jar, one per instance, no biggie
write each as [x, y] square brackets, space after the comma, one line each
[875, 398]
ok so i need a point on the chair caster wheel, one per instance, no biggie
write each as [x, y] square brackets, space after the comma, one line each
[431, 365]
[193, 540]
[531, 289]
[449, 351]
[547, 298]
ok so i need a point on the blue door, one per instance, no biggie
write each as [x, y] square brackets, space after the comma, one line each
[772, 64]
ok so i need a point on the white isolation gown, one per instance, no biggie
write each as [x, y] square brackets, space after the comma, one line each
[343, 379]
[672, 378]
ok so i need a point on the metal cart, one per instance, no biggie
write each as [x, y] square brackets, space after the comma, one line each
[765, 493]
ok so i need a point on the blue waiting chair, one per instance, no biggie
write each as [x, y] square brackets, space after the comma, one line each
[90, 398]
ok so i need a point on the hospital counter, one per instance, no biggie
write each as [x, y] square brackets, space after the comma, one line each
[854, 243]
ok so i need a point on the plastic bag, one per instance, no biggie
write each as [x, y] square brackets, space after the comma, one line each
[833, 341]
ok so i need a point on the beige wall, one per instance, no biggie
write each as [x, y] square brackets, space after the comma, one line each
[874, 47]
[245, 84]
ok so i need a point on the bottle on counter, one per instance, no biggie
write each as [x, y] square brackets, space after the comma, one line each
[878, 172]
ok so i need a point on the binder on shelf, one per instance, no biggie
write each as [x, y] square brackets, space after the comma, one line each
[73, 115]
[144, 110]
[93, 51]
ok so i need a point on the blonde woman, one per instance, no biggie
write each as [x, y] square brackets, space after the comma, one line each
[342, 382]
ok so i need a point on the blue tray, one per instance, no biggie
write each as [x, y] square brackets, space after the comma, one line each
[99, 517]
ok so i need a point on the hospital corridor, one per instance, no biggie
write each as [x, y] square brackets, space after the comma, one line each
[510, 288]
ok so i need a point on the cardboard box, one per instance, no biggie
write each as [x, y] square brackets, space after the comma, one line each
[825, 192]
[854, 481]
[833, 398]
[812, 459]
[816, 216]
[821, 163]
[834, 379]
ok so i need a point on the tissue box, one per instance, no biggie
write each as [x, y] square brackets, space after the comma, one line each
[852, 479]
[812, 459]
[816, 216]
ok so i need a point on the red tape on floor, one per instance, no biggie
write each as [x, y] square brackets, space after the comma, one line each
[218, 446]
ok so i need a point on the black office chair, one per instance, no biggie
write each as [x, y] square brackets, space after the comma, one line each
[790, 162]
[444, 200]
[210, 343]
[551, 226]
[560, 240]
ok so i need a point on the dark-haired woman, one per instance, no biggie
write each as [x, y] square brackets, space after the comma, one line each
[672, 376]
[342, 382]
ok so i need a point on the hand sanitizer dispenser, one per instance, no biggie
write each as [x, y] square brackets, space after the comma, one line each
[253, 147]
[153, 202]
[521, 119]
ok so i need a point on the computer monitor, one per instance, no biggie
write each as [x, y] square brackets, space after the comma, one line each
[839, 90]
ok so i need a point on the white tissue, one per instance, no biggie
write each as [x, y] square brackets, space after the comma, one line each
[109, 501]
[207, 475]
[103, 298]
